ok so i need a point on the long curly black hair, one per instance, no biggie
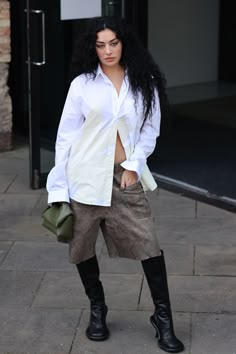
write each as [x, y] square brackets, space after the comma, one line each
[143, 73]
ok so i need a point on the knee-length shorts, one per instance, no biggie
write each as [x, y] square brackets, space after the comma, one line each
[127, 225]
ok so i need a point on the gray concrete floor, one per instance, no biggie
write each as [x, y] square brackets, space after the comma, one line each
[43, 308]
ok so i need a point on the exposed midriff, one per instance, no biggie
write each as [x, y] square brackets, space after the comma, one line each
[119, 150]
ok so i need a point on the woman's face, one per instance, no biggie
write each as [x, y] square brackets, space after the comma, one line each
[108, 48]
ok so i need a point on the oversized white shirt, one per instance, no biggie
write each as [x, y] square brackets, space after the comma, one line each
[93, 114]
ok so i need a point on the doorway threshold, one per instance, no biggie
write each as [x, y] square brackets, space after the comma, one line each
[194, 192]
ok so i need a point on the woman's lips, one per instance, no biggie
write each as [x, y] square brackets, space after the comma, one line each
[109, 59]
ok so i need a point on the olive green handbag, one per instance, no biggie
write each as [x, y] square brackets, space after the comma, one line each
[58, 218]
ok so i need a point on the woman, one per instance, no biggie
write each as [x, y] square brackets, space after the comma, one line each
[108, 128]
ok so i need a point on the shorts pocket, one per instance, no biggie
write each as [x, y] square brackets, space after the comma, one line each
[133, 187]
[136, 201]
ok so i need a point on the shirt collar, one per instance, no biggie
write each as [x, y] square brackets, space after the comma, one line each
[101, 73]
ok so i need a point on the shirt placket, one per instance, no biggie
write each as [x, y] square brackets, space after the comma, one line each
[111, 141]
[117, 101]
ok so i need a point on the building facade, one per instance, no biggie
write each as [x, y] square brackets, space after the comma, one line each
[5, 57]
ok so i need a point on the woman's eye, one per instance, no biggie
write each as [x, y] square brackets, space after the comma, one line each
[100, 46]
[114, 44]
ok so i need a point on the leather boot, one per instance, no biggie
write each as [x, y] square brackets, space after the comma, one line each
[155, 272]
[89, 272]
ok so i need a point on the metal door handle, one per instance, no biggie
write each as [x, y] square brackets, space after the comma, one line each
[43, 61]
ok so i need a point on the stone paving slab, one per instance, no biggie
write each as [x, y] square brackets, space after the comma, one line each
[61, 290]
[165, 193]
[24, 228]
[16, 204]
[40, 256]
[118, 265]
[209, 211]
[21, 185]
[4, 248]
[213, 334]
[5, 181]
[41, 204]
[202, 209]
[215, 260]
[178, 258]
[194, 231]
[37, 256]
[197, 294]
[14, 165]
[175, 206]
[131, 333]
[37, 331]
[20, 151]
[17, 289]
[29, 228]
[122, 290]
[65, 290]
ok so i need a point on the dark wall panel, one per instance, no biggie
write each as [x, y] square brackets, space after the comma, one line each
[227, 46]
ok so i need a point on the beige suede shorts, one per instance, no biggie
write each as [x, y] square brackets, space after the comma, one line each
[127, 225]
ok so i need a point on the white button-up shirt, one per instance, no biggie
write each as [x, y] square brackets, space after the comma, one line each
[93, 114]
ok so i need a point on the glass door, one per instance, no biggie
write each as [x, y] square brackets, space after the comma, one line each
[48, 57]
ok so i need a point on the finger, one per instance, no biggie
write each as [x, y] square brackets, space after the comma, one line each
[122, 182]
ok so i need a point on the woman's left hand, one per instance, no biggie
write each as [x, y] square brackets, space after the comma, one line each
[128, 178]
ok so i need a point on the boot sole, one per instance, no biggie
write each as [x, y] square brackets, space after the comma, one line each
[98, 339]
[168, 350]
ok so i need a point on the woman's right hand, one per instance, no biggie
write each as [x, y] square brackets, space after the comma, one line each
[128, 178]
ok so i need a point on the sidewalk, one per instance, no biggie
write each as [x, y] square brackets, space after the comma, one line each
[43, 308]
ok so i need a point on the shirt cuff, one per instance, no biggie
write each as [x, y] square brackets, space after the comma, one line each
[58, 196]
[133, 166]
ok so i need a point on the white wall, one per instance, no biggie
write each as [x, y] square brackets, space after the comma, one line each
[183, 39]
[74, 9]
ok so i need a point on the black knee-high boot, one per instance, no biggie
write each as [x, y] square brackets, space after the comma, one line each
[89, 272]
[155, 272]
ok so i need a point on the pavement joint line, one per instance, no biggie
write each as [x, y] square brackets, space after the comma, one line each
[194, 258]
[218, 313]
[34, 271]
[190, 332]
[215, 275]
[7, 252]
[75, 332]
[21, 271]
[22, 240]
[218, 244]
[112, 274]
[231, 216]
[9, 186]
[36, 308]
[61, 308]
[141, 289]
[37, 289]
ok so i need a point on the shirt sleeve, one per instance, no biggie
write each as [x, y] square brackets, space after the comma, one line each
[71, 121]
[146, 142]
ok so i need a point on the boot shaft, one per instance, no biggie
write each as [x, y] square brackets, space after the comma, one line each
[89, 274]
[155, 272]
